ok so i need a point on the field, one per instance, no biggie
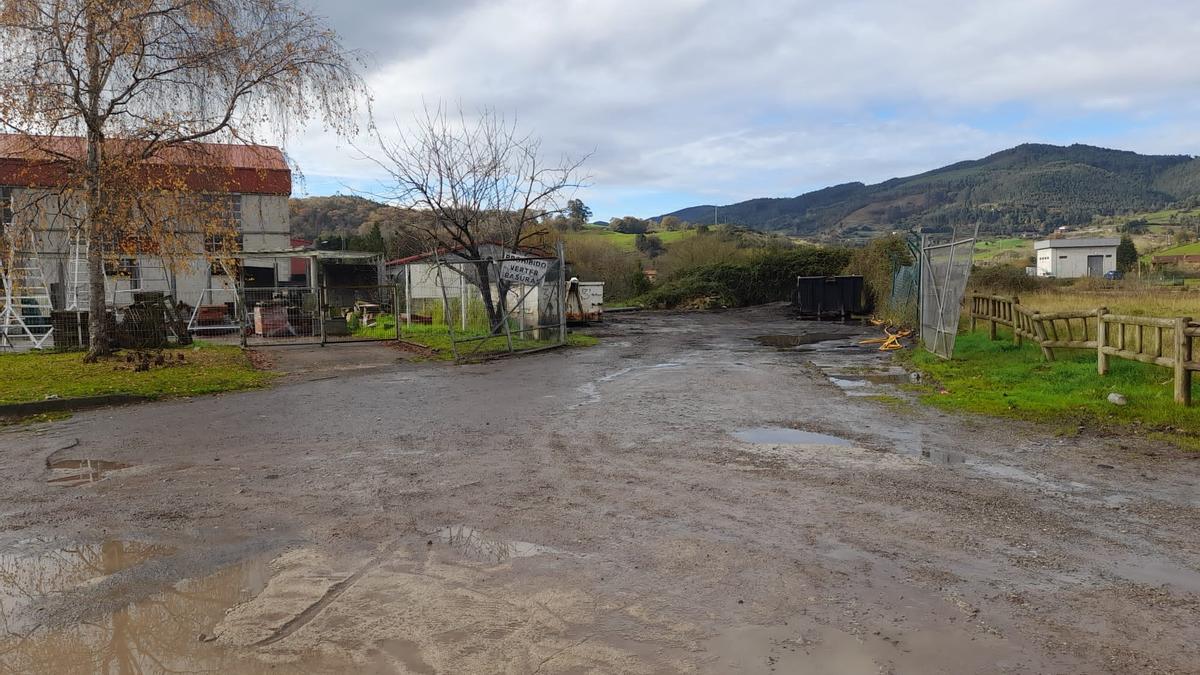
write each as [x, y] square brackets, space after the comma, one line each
[204, 369]
[1186, 249]
[1003, 250]
[628, 242]
[998, 378]
[1130, 298]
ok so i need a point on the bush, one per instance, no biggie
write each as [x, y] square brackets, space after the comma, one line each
[767, 276]
[877, 263]
[1007, 280]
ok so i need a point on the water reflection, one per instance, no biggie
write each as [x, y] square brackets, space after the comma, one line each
[164, 632]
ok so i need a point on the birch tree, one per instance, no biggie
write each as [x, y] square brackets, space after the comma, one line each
[141, 80]
[482, 180]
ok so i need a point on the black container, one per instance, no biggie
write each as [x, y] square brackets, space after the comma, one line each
[822, 297]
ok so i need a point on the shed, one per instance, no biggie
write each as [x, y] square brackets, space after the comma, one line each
[1073, 258]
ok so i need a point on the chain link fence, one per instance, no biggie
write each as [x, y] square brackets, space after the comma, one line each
[944, 269]
[481, 308]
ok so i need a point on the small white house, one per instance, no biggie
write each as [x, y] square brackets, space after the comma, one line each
[1072, 258]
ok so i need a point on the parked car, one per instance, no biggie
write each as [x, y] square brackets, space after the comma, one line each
[1114, 275]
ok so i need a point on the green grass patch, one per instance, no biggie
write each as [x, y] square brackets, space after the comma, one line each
[628, 242]
[205, 369]
[437, 339]
[998, 378]
[1186, 249]
[384, 328]
[988, 251]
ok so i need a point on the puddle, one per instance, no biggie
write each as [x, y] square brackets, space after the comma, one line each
[944, 456]
[167, 631]
[786, 436]
[793, 341]
[76, 472]
[42, 568]
[479, 545]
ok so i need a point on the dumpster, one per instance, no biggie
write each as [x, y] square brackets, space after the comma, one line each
[828, 297]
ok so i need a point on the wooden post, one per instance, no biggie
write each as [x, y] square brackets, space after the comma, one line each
[1016, 324]
[1183, 376]
[1040, 331]
[1101, 342]
[974, 310]
[992, 308]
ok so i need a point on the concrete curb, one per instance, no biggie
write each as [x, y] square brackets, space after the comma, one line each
[14, 411]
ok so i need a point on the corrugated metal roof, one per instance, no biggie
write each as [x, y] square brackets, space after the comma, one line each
[50, 161]
[50, 148]
[1076, 243]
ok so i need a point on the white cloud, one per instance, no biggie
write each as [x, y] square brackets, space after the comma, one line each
[771, 97]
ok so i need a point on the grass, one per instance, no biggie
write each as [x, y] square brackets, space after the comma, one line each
[1008, 249]
[628, 242]
[384, 328]
[1185, 249]
[1127, 297]
[206, 369]
[437, 339]
[998, 378]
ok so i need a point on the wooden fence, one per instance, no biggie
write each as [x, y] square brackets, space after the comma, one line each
[1166, 342]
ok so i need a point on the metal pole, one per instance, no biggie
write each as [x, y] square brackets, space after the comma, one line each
[319, 292]
[562, 289]
[408, 296]
[462, 301]
[445, 303]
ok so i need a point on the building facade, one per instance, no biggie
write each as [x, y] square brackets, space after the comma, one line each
[1074, 258]
[247, 185]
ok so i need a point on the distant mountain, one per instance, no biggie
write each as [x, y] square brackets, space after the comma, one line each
[1031, 187]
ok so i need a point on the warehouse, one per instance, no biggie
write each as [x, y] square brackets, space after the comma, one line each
[1073, 258]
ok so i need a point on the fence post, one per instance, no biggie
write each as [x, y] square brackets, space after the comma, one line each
[562, 290]
[1040, 331]
[993, 306]
[1016, 323]
[1101, 341]
[974, 310]
[1183, 348]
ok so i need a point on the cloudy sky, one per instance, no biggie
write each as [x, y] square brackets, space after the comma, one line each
[686, 102]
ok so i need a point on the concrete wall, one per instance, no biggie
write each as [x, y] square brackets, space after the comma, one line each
[1071, 262]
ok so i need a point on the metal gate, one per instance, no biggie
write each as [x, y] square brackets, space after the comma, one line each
[944, 270]
[484, 307]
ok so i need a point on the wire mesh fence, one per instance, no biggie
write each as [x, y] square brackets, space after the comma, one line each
[480, 308]
[945, 269]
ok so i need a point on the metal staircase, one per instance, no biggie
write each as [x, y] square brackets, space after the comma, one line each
[78, 287]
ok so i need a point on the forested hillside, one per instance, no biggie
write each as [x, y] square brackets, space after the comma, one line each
[1031, 187]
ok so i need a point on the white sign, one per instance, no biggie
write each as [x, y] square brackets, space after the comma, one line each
[524, 271]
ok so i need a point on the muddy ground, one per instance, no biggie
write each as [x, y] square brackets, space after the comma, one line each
[643, 506]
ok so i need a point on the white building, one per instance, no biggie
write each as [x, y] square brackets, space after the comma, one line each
[251, 184]
[1072, 258]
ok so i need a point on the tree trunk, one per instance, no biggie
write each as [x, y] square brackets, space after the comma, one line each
[494, 313]
[99, 341]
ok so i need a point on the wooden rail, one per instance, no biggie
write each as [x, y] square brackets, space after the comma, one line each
[1166, 342]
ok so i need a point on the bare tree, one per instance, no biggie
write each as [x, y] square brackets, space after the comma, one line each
[143, 82]
[482, 180]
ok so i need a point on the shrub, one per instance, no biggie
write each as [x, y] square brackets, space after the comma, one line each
[1006, 279]
[767, 276]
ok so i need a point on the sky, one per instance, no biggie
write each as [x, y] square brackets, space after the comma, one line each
[679, 103]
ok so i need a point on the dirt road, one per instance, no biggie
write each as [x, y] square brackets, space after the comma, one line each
[644, 506]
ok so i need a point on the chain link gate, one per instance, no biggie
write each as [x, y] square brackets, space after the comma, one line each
[483, 307]
[944, 270]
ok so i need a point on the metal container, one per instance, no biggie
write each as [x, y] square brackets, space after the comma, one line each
[823, 297]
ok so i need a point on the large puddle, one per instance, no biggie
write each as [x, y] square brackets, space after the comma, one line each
[168, 630]
[77, 472]
[793, 341]
[484, 547]
[786, 436]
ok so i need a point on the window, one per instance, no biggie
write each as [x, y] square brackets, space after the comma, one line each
[125, 268]
[6, 210]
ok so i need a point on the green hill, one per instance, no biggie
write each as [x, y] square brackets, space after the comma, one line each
[1029, 188]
